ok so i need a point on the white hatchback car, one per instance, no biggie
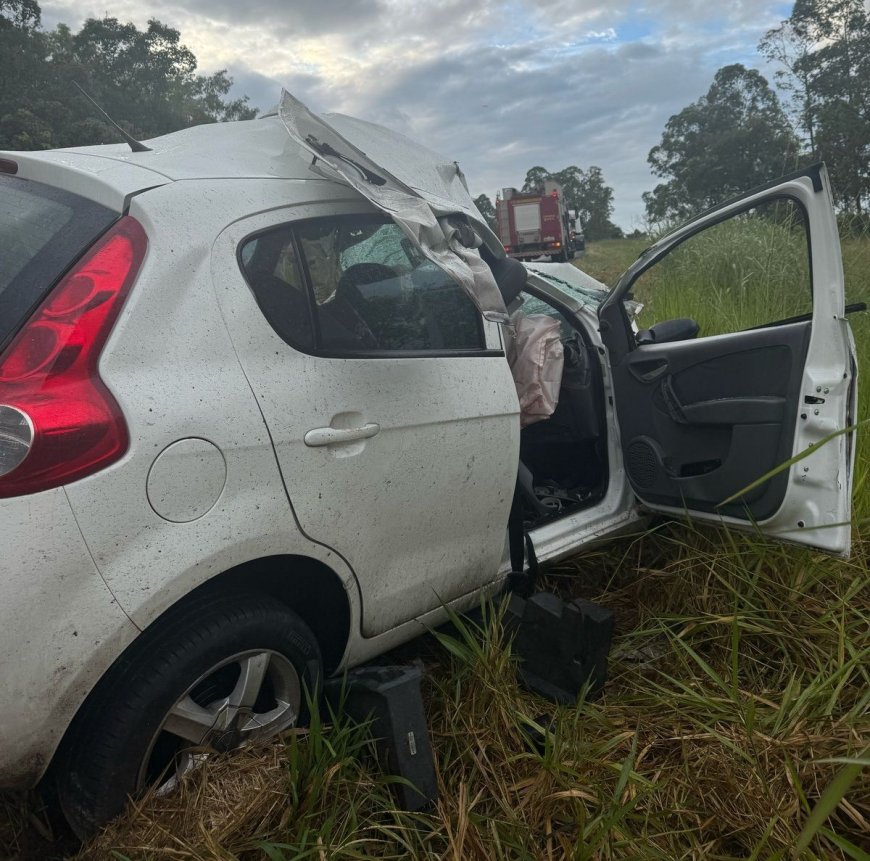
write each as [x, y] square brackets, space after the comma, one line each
[251, 432]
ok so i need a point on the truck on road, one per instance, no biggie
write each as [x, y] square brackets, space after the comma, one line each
[536, 223]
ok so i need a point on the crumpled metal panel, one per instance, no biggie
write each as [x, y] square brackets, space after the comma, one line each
[422, 210]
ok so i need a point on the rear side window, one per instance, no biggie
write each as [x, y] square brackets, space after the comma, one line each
[269, 263]
[42, 231]
[367, 290]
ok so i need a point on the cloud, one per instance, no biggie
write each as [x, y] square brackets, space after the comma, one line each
[604, 107]
[607, 35]
[499, 86]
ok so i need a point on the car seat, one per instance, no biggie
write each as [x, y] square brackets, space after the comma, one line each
[283, 302]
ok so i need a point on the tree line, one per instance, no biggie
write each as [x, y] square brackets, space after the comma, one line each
[739, 134]
[146, 80]
[742, 134]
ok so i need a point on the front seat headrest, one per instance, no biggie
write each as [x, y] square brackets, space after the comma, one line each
[510, 277]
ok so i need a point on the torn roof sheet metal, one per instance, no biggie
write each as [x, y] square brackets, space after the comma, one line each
[434, 177]
[419, 191]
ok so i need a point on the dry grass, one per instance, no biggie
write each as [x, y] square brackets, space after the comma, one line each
[731, 701]
[739, 696]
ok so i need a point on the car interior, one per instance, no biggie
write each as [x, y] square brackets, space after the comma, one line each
[563, 459]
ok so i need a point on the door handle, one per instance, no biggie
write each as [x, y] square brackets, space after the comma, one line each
[338, 436]
[646, 369]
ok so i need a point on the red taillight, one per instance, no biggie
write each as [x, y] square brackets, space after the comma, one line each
[49, 378]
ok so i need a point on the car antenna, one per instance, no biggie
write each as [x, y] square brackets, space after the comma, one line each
[134, 145]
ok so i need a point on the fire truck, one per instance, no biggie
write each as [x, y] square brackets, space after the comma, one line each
[533, 224]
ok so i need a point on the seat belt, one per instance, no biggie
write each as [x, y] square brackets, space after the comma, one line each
[520, 580]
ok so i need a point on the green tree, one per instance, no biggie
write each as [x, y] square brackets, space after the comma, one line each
[595, 206]
[569, 178]
[23, 121]
[585, 193]
[486, 209]
[790, 48]
[146, 80]
[734, 137]
[535, 177]
[24, 15]
[824, 49]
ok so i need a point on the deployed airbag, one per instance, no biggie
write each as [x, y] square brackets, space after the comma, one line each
[537, 360]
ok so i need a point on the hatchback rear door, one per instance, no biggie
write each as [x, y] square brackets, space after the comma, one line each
[710, 425]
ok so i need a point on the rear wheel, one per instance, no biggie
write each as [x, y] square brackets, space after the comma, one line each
[220, 672]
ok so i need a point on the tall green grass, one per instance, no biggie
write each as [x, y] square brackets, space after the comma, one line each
[745, 272]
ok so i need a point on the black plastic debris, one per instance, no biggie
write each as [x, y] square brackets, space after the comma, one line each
[391, 698]
[561, 646]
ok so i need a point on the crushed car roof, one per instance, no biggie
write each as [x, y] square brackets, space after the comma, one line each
[421, 190]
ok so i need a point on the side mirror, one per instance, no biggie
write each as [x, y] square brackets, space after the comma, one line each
[681, 329]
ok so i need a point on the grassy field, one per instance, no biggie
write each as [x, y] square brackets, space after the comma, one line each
[734, 725]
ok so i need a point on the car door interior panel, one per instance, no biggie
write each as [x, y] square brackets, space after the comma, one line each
[702, 419]
[712, 413]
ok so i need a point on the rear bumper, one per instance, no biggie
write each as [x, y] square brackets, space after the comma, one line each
[60, 629]
[530, 252]
[534, 255]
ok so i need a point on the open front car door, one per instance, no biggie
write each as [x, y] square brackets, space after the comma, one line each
[747, 363]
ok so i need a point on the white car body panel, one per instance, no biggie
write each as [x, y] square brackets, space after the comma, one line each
[49, 666]
[171, 364]
[617, 512]
[250, 149]
[102, 180]
[405, 502]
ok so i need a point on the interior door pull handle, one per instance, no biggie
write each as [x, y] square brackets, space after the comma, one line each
[338, 436]
[648, 370]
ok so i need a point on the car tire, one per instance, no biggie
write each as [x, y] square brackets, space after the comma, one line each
[194, 669]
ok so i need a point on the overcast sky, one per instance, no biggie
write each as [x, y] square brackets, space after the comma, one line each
[497, 86]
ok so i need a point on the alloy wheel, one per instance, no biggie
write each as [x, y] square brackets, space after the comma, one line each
[247, 697]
